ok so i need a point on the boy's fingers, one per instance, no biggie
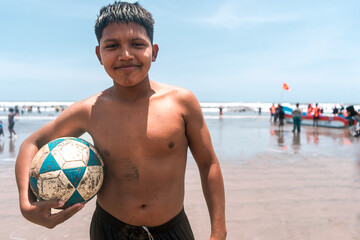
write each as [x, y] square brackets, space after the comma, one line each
[67, 213]
[50, 204]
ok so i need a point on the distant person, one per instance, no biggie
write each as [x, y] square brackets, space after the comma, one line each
[17, 110]
[1, 129]
[259, 110]
[352, 112]
[309, 110]
[221, 110]
[276, 115]
[317, 113]
[11, 119]
[341, 110]
[335, 111]
[281, 118]
[272, 112]
[296, 114]
[353, 115]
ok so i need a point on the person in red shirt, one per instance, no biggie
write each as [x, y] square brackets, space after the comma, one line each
[309, 110]
[272, 112]
[317, 113]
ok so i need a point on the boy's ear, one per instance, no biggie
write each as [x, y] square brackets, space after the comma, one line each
[97, 51]
[155, 50]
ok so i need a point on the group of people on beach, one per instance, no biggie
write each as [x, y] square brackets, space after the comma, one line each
[29, 108]
[11, 124]
[278, 113]
[311, 113]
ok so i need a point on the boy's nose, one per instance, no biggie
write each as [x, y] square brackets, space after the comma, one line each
[125, 54]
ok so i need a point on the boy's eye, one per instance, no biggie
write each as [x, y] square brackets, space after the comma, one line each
[137, 44]
[110, 46]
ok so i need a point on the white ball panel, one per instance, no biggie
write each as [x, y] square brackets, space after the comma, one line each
[71, 154]
[91, 182]
[55, 185]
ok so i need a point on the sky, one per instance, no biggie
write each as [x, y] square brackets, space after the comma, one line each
[223, 51]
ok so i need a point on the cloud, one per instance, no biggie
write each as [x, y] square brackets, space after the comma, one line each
[65, 9]
[51, 80]
[233, 15]
[45, 71]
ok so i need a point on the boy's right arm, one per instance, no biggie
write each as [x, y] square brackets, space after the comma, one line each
[69, 123]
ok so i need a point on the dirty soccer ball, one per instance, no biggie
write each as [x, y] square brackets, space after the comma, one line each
[68, 169]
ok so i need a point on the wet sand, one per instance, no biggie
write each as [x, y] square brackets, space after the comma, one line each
[287, 187]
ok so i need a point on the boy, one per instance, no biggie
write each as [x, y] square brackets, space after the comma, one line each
[142, 129]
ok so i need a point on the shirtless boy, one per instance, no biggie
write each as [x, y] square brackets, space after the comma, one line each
[142, 129]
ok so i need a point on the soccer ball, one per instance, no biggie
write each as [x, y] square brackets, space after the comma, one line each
[68, 169]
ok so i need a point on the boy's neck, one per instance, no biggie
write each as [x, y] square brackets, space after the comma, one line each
[137, 92]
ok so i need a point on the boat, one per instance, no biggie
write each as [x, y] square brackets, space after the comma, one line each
[339, 121]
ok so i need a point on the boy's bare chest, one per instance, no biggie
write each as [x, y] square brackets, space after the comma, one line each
[147, 130]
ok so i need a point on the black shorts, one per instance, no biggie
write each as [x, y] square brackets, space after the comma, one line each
[104, 226]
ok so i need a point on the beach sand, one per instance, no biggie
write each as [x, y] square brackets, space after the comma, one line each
[287, 187]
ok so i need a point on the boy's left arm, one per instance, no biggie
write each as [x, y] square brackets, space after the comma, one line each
[211, 178]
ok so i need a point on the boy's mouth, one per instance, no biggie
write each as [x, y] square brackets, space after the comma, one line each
[126, 66]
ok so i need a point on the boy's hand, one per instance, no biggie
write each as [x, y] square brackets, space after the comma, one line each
[40, 212]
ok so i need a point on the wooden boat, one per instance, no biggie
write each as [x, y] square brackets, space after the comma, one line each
[324, 120]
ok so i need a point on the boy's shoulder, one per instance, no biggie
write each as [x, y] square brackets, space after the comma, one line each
[183, 99]
[85, 105]
[177, 93]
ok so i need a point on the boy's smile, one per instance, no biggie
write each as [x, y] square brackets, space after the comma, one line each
[126, 52]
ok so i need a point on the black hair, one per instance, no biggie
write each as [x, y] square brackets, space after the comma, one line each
[124, 12]
[351, 111]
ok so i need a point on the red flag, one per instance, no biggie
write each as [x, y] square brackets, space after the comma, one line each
[286, 87]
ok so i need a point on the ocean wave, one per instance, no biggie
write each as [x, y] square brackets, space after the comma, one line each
[46, 107]
[30, 117]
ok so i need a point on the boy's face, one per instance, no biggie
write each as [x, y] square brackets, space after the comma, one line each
[126, 53]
